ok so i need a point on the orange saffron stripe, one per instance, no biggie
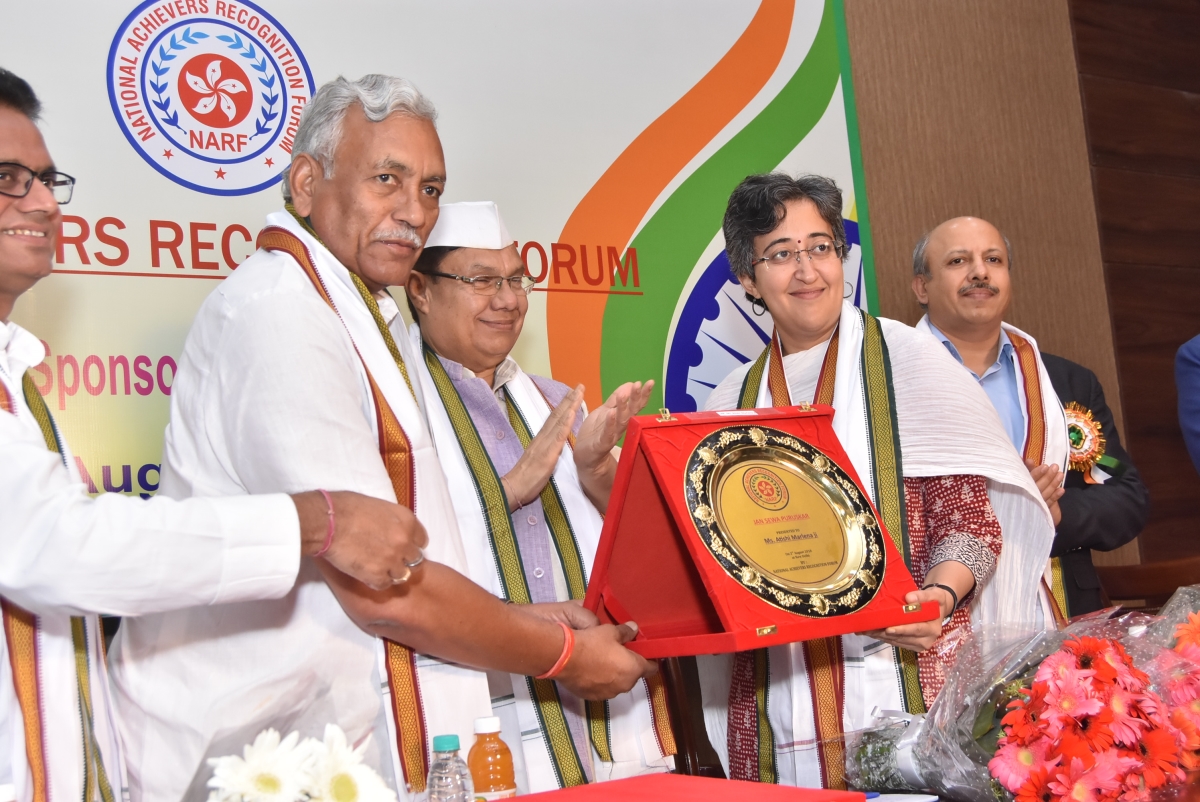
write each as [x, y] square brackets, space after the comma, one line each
[656, 693]
[1035, 439]
[776, 377]
[20, 629]
[610, 212]
[396, 451]
[827, 687]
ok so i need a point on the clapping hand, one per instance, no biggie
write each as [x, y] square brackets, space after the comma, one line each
[599, 434]
[527, 478]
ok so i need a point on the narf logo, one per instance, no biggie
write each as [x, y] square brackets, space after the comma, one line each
[765, 488]
[209, 93]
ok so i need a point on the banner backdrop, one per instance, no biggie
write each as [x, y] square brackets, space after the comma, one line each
[609, 133]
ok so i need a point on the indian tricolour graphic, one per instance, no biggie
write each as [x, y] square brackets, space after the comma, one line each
[779, 99]
[210, 100]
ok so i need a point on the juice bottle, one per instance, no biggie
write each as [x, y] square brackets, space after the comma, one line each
[491, 762]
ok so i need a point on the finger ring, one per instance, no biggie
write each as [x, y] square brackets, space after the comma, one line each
[416, 562]
[400, 580]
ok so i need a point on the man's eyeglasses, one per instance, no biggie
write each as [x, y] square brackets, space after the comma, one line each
[822, 251]
[16, 180]
[490, 285]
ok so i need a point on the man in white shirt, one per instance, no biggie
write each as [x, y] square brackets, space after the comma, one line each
[68, 557]
[297, 371]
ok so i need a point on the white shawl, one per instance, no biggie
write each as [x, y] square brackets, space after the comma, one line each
[453, 696]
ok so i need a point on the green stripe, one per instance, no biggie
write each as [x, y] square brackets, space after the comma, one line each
[753, 382]
[766, 736]
[487, 485]
[888, 473]
[636, 327]
[568, 768]
[860, 184]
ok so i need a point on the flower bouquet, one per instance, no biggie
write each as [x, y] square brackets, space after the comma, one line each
[274, 769]
[1107, 709]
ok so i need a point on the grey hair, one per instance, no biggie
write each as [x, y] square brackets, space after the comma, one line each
[380, 96]
[757, 206]
[921, 263]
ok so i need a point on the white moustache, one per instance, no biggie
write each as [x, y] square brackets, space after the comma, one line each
[406, 235]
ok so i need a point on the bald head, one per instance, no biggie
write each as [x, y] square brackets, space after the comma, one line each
[961, 275]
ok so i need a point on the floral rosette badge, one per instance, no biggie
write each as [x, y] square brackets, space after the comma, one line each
[208, 93]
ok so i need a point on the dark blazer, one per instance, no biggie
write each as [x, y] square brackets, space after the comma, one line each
[1101, 517]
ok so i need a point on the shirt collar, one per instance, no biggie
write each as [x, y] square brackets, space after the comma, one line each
[19, 350]
[1005, 345]
[506, 371]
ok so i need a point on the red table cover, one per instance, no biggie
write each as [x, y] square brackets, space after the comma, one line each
[656, 787]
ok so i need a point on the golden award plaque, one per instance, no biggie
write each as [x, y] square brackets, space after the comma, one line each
[784, 521]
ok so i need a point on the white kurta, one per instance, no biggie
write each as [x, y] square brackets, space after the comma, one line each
[271, 396]
[66, 554]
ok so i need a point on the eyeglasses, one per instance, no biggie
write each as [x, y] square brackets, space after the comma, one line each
[821, 252]
[490, 285]
[16, 180]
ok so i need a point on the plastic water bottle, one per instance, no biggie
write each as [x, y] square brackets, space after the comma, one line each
[491, 762]
[449, 779]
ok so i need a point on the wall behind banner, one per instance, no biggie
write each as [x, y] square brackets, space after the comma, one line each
[609, 133]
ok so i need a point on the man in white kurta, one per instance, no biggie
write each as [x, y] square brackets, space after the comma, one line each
[68, 557]
[298, 370]
[498, 428]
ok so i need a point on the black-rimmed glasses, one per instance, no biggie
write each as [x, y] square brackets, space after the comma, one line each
[490, 285]
[16, 180]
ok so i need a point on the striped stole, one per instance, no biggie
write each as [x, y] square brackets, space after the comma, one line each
[569, 766]
[1035, 452]
[824, 659]
[406, 708]
[573, 567]
[20, 633]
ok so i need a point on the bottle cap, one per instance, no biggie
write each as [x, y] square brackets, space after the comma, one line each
[487, 725]
[445, 743]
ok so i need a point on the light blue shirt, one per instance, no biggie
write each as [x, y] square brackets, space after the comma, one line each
[999, 381]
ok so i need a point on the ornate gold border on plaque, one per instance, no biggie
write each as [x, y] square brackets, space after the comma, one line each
[777, 459]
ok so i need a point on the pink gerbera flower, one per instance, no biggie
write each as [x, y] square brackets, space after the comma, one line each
[1075, 783]
[1070, 699]
[1126, 726]
[1111, 767]
[1013, 762]
[1059, 667]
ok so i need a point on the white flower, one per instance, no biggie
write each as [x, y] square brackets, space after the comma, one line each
[270, 770]
[215, 90]
[339, 775]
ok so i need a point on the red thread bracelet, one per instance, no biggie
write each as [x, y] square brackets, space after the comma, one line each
[329, 534]
[568, 648]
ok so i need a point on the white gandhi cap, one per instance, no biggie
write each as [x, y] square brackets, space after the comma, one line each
[472, 224]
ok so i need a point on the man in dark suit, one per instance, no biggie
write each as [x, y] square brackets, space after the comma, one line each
[961, 276]
[1104, 516]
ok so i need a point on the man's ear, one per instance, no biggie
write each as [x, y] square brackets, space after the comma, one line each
[920, 290]
[418, 284]
[301, 178]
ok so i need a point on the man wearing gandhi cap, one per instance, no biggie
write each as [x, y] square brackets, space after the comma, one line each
[505, 436]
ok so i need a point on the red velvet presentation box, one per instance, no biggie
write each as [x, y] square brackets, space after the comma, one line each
[652, 566]
[662, 787]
